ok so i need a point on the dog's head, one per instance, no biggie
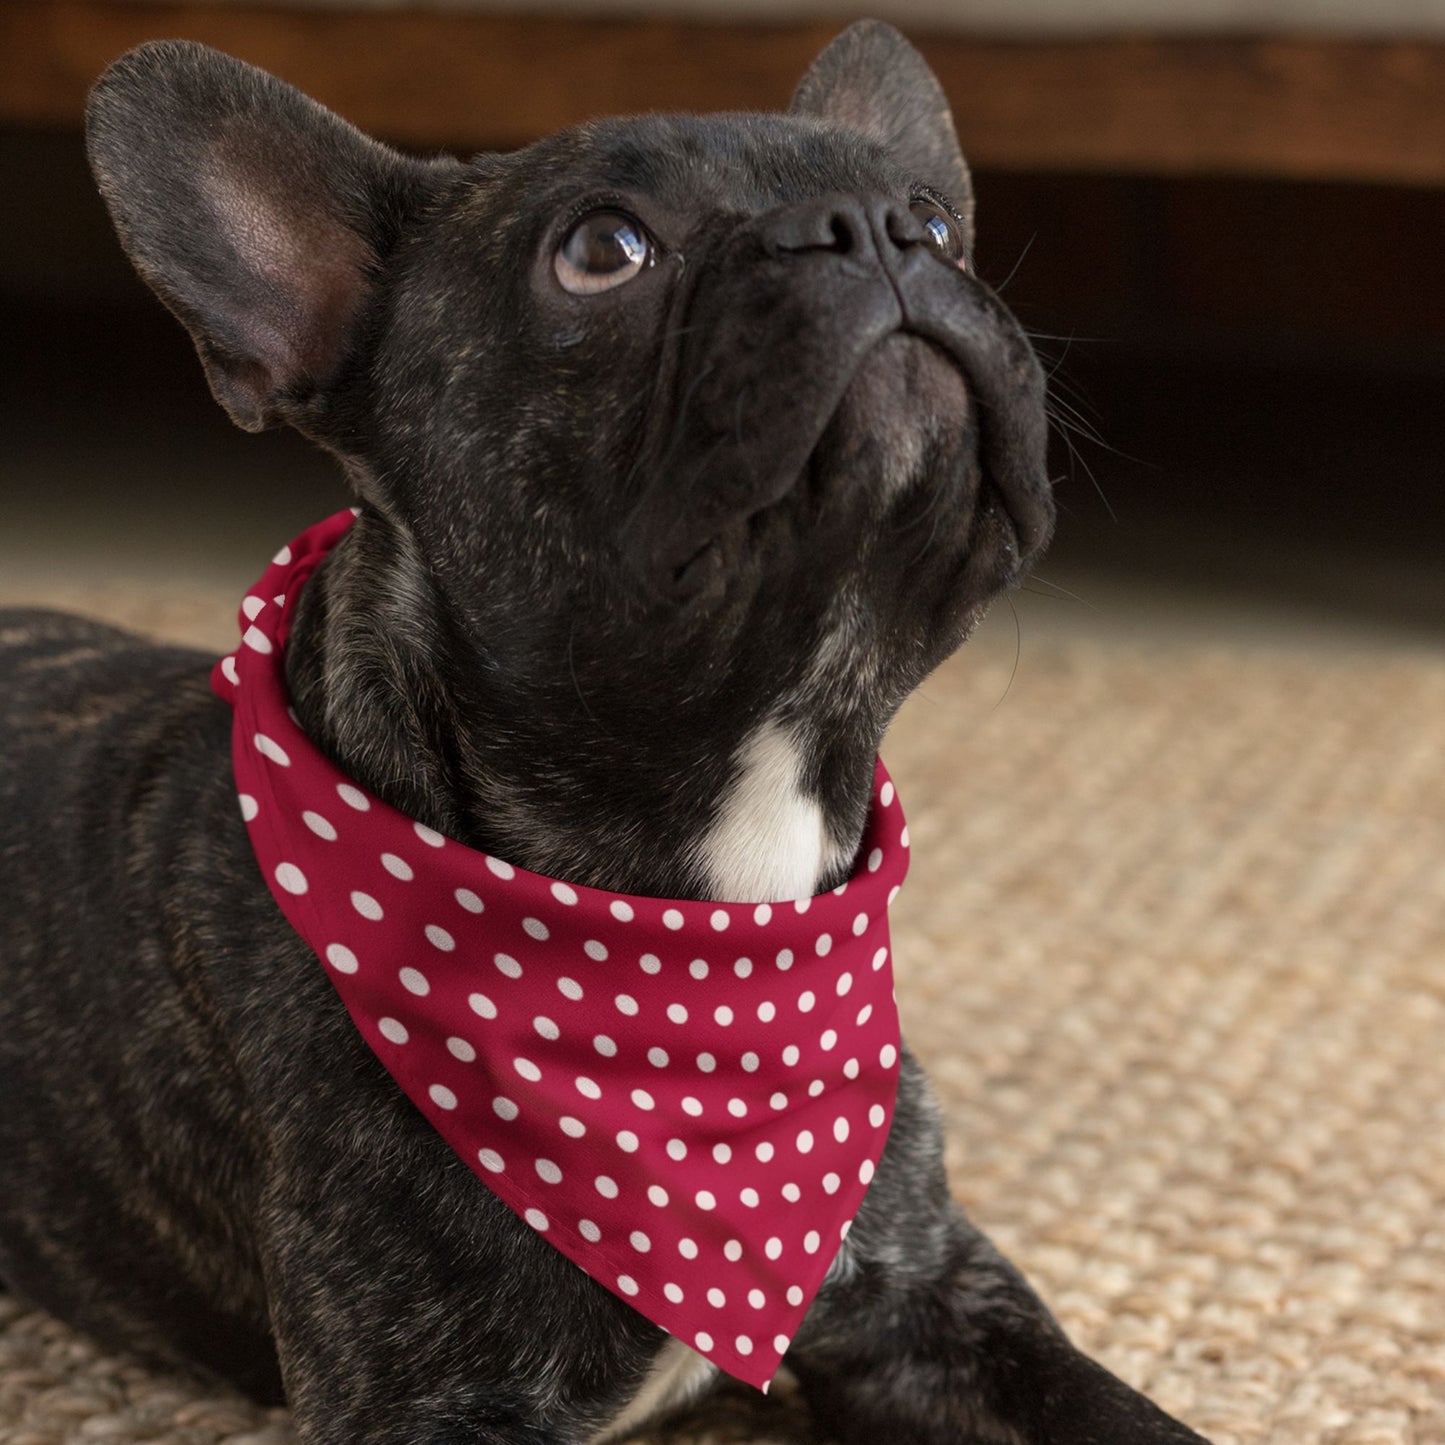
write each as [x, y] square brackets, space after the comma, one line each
[659, 422]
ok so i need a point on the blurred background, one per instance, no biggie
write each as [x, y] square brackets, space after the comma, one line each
[1225, 223]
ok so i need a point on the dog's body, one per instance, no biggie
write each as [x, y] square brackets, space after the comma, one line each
[661, 518]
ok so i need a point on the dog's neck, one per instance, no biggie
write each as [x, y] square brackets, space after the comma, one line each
[771, 811]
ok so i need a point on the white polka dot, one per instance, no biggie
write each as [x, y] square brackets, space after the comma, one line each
[722, 1015]
[785, 959]
[716, 1298]
[692, 1106]
[482, 1005]
[749, 1196]
[228, 668]
[548, 1172]
[564, 894]
[460, 1049]
[885, 794]
[569, 988]
[687, 1249]
[703, 1341]
[535, 928]
[850, 1069]
[888, 1056]
[469, 900]
[722, 1152]
[840, 1129]
[719, 919]
[903, 837]
[672, 919]
[767, 1011]
[676, 1149]
[594, 950]
[865, 1171]
[508, 965]
[674, 1293]
[737, 1109]
[806, 1000]
[650, 963]
[762, 915]
[764, 1151]
[876, 1115]
[440, 938]
[879, 959]
[536, 1219]
[626, 1284]
[831, 1183]
[283, 557]
[257, 641]
[397, 867]
[353, 797]
[812, 1240]
[706, 1063]
[588, 1230]
[657, 1057]
[605, 1046]
[657, 1195]
[491, 1160]
[639, 1241]
[442, 1096]
[677, 1013]
[429, 836]
[605, 1186]
[802, 905]
[875, 860]
[643, 1099]
[732, 1251]
[698, 968]
[829, 1040]
[704, 1199]
[791, 1192]
[546, 1027]
[588, 1089]
[757, 1298]
[572, 1128]
[414, 981]
[627, 1141]
[743, 1345]
[621, 911]
[773, 1248]
[501, 869]
[780, 1344]
[815, 1088]
[779, 1101]
[366, 905]
[249, 807]
[504, 1108]
[341, 958]
[824, 945]
[892, 894]
[805, 1141]
[791, 1055]
[319, 825]
[795, 1295]
[864, 1014]
[291, 878]
[626, 1004]
[393, 1030]
[527, 1069]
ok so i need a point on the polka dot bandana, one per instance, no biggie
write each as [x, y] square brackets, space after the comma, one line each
[688, 1099]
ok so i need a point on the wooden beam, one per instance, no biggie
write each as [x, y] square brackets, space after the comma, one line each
[1291, 107]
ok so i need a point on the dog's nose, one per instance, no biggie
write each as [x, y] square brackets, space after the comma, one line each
[843, 225]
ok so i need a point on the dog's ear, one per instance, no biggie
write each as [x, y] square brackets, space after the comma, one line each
[258, 217]
[872, 80]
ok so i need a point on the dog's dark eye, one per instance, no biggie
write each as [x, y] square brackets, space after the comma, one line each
[942, 230]
[602, 250]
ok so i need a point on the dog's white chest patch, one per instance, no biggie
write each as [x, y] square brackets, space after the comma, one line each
[768, 841]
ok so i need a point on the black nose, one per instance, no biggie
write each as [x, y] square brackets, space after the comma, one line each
[843, 225]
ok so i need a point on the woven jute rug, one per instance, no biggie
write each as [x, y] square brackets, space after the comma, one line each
[1173, 947]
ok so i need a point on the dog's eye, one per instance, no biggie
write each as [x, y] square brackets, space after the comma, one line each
[943, 232]
[602, 250]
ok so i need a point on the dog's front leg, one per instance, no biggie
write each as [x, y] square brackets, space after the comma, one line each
[924, 1333]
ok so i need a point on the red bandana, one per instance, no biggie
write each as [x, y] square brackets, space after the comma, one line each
[688, 1099]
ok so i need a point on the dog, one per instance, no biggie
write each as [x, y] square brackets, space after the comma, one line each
[683, 449]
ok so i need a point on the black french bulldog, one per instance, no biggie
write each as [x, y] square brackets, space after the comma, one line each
[684, 449]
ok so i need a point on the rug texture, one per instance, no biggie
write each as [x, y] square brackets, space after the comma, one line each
[1173, 948]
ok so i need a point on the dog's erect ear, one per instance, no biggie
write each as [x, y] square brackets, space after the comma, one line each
[872, 80]
[258, 216]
